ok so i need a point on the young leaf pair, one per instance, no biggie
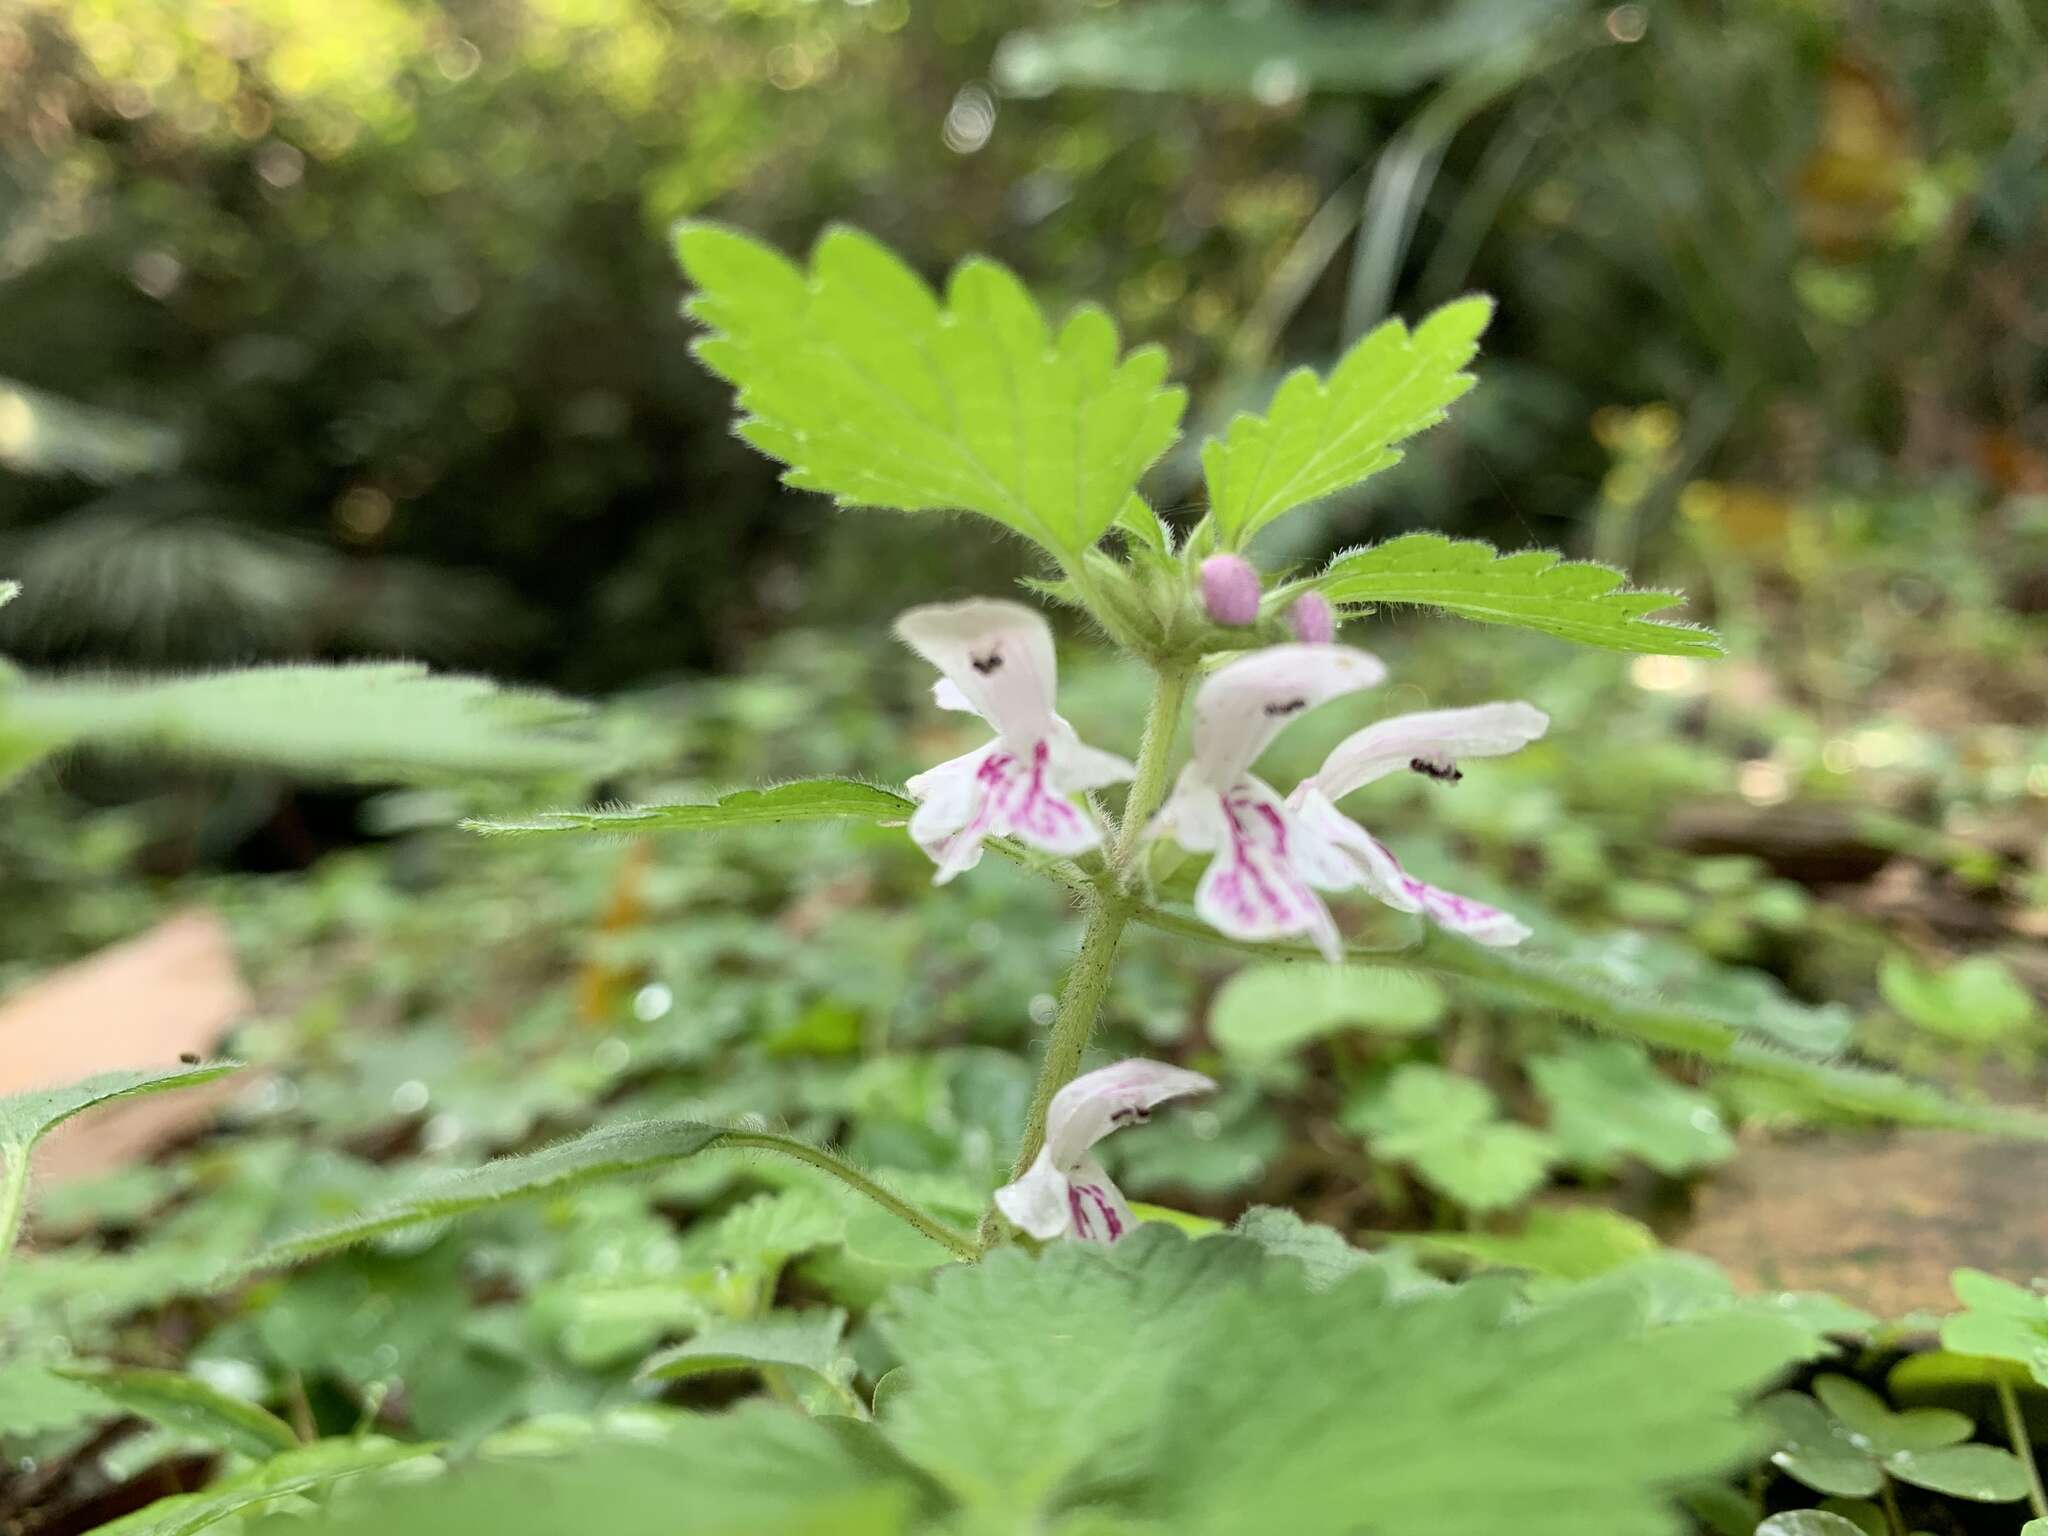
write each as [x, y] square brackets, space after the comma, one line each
[1272, 855]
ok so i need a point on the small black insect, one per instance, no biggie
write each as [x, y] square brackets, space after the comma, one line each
[189, 1058]
[987, 664]
[1436, 768]
[1286, 707]
[1130, 1114]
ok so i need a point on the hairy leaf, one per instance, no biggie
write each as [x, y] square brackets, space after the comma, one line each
[1319, 437]
[309, 1467]
[188, 1405]
[873, 390]
[805, 1342]
[1608, 1103]
[1573, 600]
[803, 800]
[26, 1118]
[363, 719]
[1447, 1127]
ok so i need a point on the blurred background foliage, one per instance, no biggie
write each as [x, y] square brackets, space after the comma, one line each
[345, 328]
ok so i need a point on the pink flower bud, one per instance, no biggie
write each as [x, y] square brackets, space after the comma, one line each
[1230, 590]
[1312, 619]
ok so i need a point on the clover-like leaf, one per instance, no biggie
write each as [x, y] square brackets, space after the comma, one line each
[1575, 600]
[1984, 1473]
[1608, 1103]
[1808, 1522]
[2001, 1320]
[1447, 1127]
[878, 393]
[1849, 1441]
[1321, 436]
[801, 800]
[1817, 1449]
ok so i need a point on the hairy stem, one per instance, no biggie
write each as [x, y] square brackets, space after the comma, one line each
[1109, 910]
[2022, 1445]
[13, 1196]
[959, 1243]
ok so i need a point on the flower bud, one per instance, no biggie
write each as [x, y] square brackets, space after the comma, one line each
[1312, 619]
[1230, 590]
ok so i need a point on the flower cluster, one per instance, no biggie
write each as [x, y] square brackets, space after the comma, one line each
[1273, 857]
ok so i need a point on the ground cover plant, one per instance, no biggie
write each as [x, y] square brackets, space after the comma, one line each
[793, 1197]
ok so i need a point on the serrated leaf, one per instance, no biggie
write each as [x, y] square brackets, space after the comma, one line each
[1608, 1103]
[188, 1405]
[875, 392]
[1451, 1413]
[298, 1471]
[806, 1342]
[1267, 1010]
[26, 1118]
[1324, 1255]
[802, 800]
[363, 719]
[1574, 600]
[1447, 1128]
[1318, 437]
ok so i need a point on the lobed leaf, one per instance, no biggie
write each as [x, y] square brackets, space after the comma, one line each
[1318, 437]
[1576, 600]
[878, 393]
[802, 800]
[1266, 1011]
[1608, 1103]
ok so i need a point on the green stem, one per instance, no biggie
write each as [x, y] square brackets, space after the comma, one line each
[13, 1197]
[2022, 1444]
[959, 1243]
[1893, 1518]
[1110, 908]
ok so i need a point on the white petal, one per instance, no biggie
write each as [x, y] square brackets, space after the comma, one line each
[1095, 1206]
[1245, 704]
[1368, 863]
[1381, 876]
[1436, 735]
[949, 799]
[1077, 767]
[1096, 1103]
[1192, 815]
[995, 792]
[997, 655]
[947, 695]
[1262, 883]
[1038, 1202]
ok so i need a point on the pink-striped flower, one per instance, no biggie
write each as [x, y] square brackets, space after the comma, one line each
[996, 661]
[1066, 1192]
[1268, 866]
[1431, 744]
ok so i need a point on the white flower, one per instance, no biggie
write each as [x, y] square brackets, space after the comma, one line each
[1263, 881]
[997, 661]
[1431, 744]
[1065, 1192]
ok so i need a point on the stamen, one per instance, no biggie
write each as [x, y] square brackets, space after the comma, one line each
[987, 664]
[1286, 707]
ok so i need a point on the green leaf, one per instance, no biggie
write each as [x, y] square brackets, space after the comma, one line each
[1608, 1103]
[189, 1406]
[2003, 1321]
[1815, 1448]
[1451, 1413]
[298, 1471]
[1866, 1415]
[1975, 1001]
[1981, 1472]
[1318, 437]
[26, 1118]
[807, 1342]
[757, 1471]
[802, 800]
[608, 1152]
[1573, 1242]
[46, 434]
[1808, 1522]
[1262, 48]
[1266, 1011]
[2035, 1528]
[35, 1400]
[1576, 600]
[1447, 1127]
[365, 719]
[876, 393]
[1325, 1257]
